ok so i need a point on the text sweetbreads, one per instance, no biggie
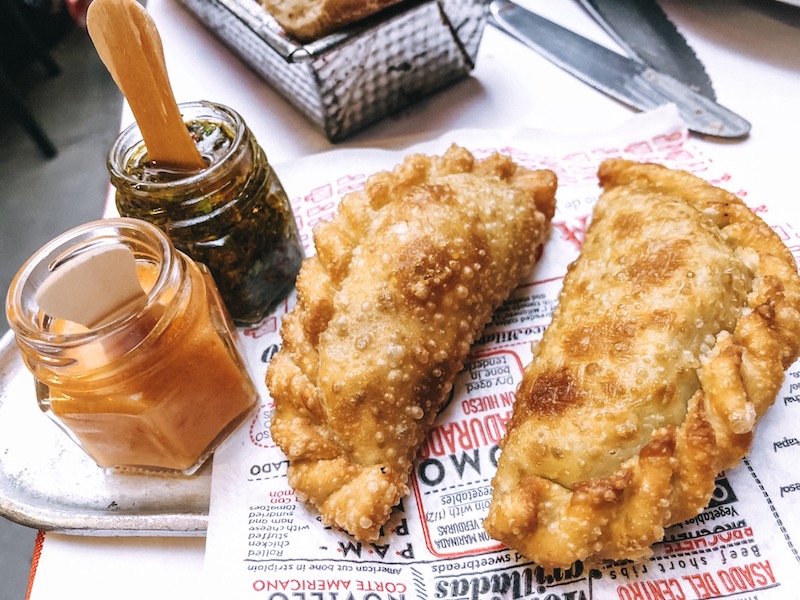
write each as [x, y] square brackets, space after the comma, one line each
[405, 277]
[672, 333]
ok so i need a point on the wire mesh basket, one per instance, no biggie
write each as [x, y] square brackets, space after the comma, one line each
[349, 79]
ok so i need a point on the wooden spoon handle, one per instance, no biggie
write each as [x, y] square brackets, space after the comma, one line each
[128, 43]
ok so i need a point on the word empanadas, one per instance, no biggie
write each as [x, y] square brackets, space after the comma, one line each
[404, 279]
[670, 340]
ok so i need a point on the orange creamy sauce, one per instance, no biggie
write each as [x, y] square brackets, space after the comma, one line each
[185, 392]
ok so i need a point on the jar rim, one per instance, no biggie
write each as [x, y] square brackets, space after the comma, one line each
[24, 321]
[131, 136]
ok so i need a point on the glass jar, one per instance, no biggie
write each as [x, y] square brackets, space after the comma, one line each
[233, 216]
[155, 389]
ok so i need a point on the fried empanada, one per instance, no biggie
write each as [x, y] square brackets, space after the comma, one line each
[309, 20]
[405, 277]
[672, 333]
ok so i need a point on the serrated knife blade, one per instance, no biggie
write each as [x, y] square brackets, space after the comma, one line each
[646, 33]
[625, 79]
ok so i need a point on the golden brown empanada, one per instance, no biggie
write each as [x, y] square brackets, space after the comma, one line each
[405, 278]
[670, 340]
[308, 20]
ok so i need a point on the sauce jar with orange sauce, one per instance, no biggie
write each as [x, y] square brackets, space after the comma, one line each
[156, 388]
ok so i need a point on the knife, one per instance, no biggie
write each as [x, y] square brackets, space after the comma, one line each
[625, 79]
[645, 32]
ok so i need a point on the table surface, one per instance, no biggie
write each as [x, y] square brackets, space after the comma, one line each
[751, 50]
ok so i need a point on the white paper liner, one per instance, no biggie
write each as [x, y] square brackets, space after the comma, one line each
[263, 543]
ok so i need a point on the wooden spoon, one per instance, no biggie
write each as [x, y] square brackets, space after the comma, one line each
[94, 288]
[128, 43]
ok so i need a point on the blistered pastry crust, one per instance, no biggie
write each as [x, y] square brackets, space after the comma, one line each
[308, 20]
[403, 281]
[670, 340]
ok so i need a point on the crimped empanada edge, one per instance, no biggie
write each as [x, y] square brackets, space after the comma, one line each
[621, 516]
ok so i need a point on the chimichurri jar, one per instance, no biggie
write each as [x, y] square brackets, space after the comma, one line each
[233, 216]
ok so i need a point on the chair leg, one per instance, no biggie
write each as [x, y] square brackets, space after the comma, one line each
[26, 119]
[38, 49]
